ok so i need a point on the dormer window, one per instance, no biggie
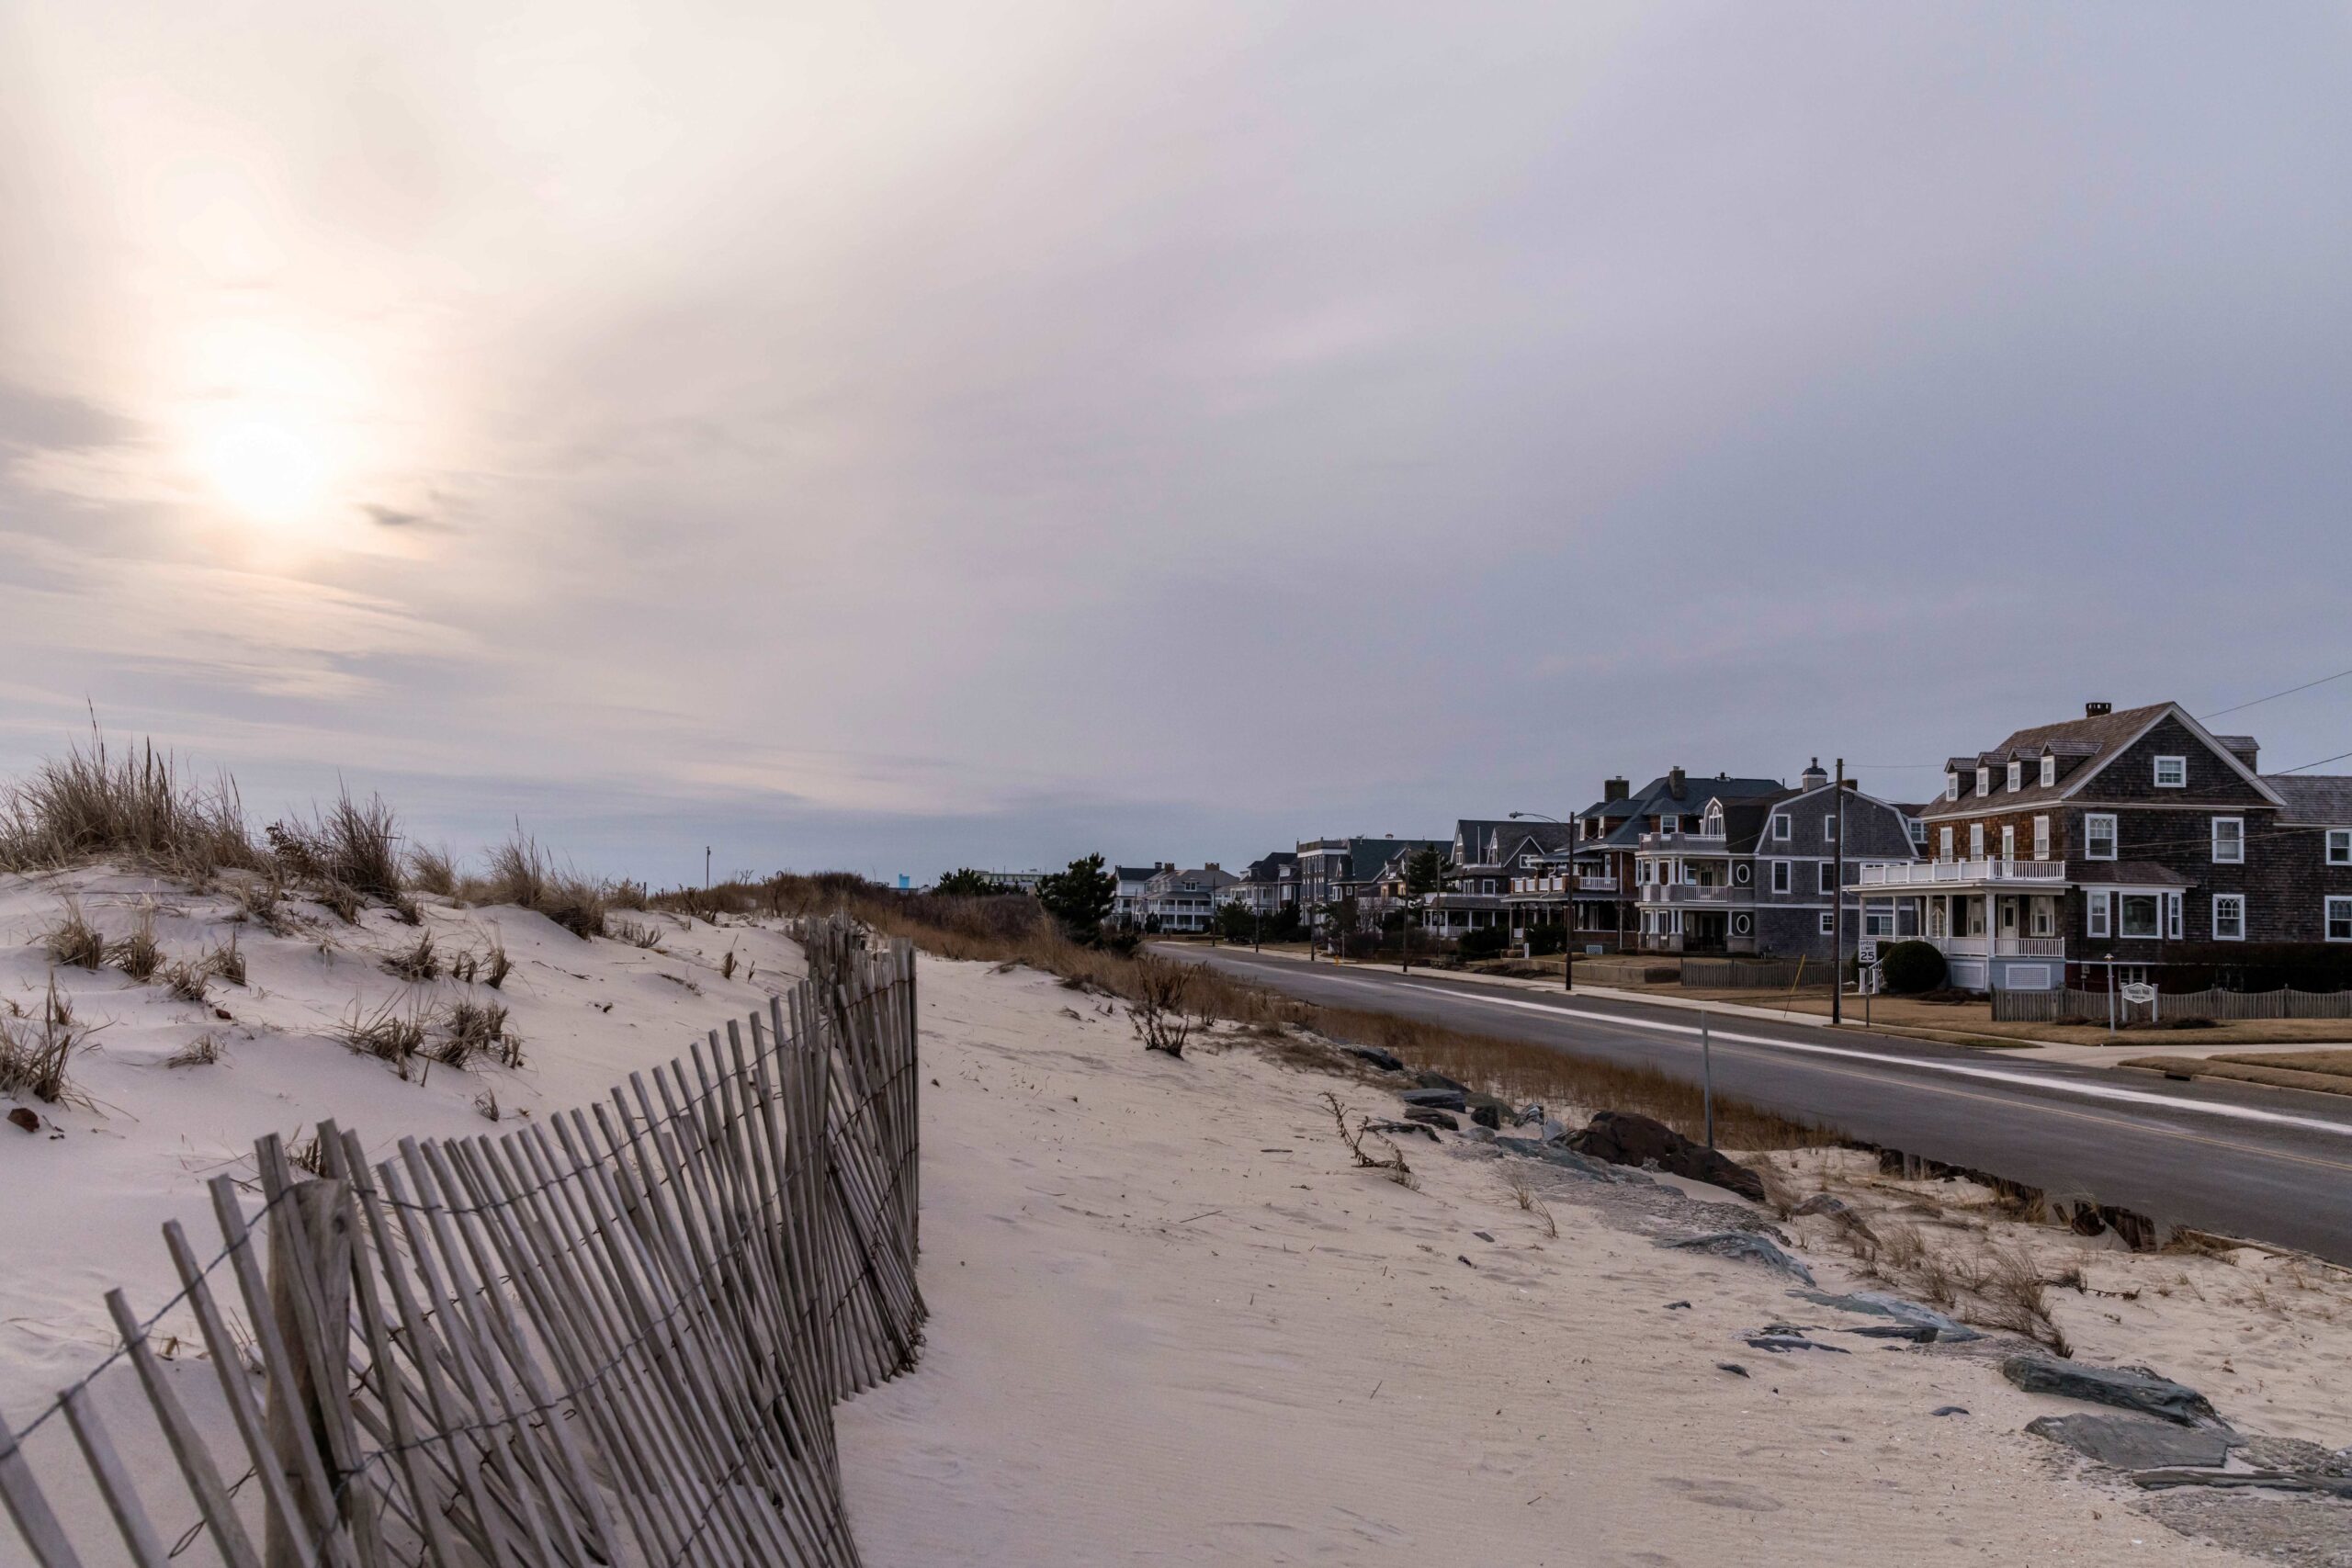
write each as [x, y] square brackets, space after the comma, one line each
[2172, 773]
[1782, 825]
[2016, 775]
[2049, 770]
[1951, 784]
[1984, 780]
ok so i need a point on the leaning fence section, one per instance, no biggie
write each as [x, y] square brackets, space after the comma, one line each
[613, 1338]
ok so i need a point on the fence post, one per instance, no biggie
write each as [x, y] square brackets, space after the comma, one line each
[309, 1250]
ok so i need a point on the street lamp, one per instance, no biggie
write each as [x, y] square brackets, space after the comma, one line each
[1568, 916]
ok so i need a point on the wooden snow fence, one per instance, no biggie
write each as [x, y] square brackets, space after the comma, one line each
[615, 1337]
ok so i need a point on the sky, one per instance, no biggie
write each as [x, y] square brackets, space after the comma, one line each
[897, 436]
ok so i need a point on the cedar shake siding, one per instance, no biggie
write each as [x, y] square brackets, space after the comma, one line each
[2155, 827]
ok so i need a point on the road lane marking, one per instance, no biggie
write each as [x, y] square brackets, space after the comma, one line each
[1925, 1064]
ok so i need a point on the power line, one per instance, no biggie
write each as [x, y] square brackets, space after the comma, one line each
[2320, 763]
[2274, 697]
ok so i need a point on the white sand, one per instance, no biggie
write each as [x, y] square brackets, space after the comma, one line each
[1172, 1324]
[87, 1195]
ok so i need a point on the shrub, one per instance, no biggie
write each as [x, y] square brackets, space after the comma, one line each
[477, 1029]
[386, 1034]
[188, 982]
[1912, 967]
[1490, 941]
[1544, 941]
[416, 962]
[139, 954]
[228, 962]
[1080, 898]
[524, 874]
[347, 843]
[33, 1054]
[91, 803]
[432, 870]
[1159, 1005]
[74, 942]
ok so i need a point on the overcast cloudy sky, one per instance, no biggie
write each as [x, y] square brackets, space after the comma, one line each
[896, 436]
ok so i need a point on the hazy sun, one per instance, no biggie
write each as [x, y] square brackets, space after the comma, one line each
[265, 467]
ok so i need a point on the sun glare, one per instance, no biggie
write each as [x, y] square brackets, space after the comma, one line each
[264, 468]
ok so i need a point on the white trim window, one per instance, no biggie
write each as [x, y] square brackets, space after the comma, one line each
[2041, 838]
[2009, 841]
[1780, 876]
[1977, 840]
[1829, 828]
[1783, 826]
[2228, 916]
[2172, 773]
[1827, 929]
[2339, 846]
[2049, 771]
[2337, 920]
[1952, 783]
[2099, 835]
[2017, 777]
[1984, 780]
[1829, 878]
[2228, 841]
[1944, 841]
[2094, 913]
[2173, 901]
[2142, 915]
[1918, 831]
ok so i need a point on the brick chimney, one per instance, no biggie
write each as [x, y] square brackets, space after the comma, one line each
[1615, 789]
[1674, 781]
[2098, 710]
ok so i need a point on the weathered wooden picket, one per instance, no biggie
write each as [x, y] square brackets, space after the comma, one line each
[2092, 1006]
[613, 1337]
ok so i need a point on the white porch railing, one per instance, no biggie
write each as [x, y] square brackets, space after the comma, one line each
[1987, 869]
[2003, 947]
[1596, 885]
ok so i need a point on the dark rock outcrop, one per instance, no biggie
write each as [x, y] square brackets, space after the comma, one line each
[1430, 1116]
[1622, 1137]
[2134, 1442]
[1385, 1061]
[2127, 1388]
[1435, 1099]
[1744, 1246]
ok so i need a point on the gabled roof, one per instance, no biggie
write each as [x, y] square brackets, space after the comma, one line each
[2321, 801]
[1268, 867]
[2096, 740]
[1135, 873]
[1656, 796]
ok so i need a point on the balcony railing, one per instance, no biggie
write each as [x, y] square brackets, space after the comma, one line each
[1685, 893]
[1928, 872]
[1686, 843]
[1596, 885]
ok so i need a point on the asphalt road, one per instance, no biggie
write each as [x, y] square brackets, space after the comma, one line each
[2271, 1165]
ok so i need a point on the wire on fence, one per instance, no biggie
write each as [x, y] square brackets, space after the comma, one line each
[613, 1338]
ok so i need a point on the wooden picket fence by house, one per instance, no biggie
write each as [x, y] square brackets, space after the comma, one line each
[613, 1338]
[2070, 1006]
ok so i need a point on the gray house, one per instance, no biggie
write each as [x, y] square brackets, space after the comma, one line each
[1758, 875]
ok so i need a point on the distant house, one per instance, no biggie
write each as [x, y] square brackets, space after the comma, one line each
[1332, 868]
[1185, 900]
[2138, 837]
[1127, 895]
[1596, 887]
[1489, 869]
[1268, 884]
[1757, 873]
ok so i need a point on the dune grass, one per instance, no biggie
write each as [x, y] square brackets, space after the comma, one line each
[142, 808]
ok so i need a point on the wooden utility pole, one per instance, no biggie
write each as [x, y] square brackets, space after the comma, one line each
[1837, 907]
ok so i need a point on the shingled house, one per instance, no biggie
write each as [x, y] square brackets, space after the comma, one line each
[1600, 883]
[1757, 873]
[2134, 836]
